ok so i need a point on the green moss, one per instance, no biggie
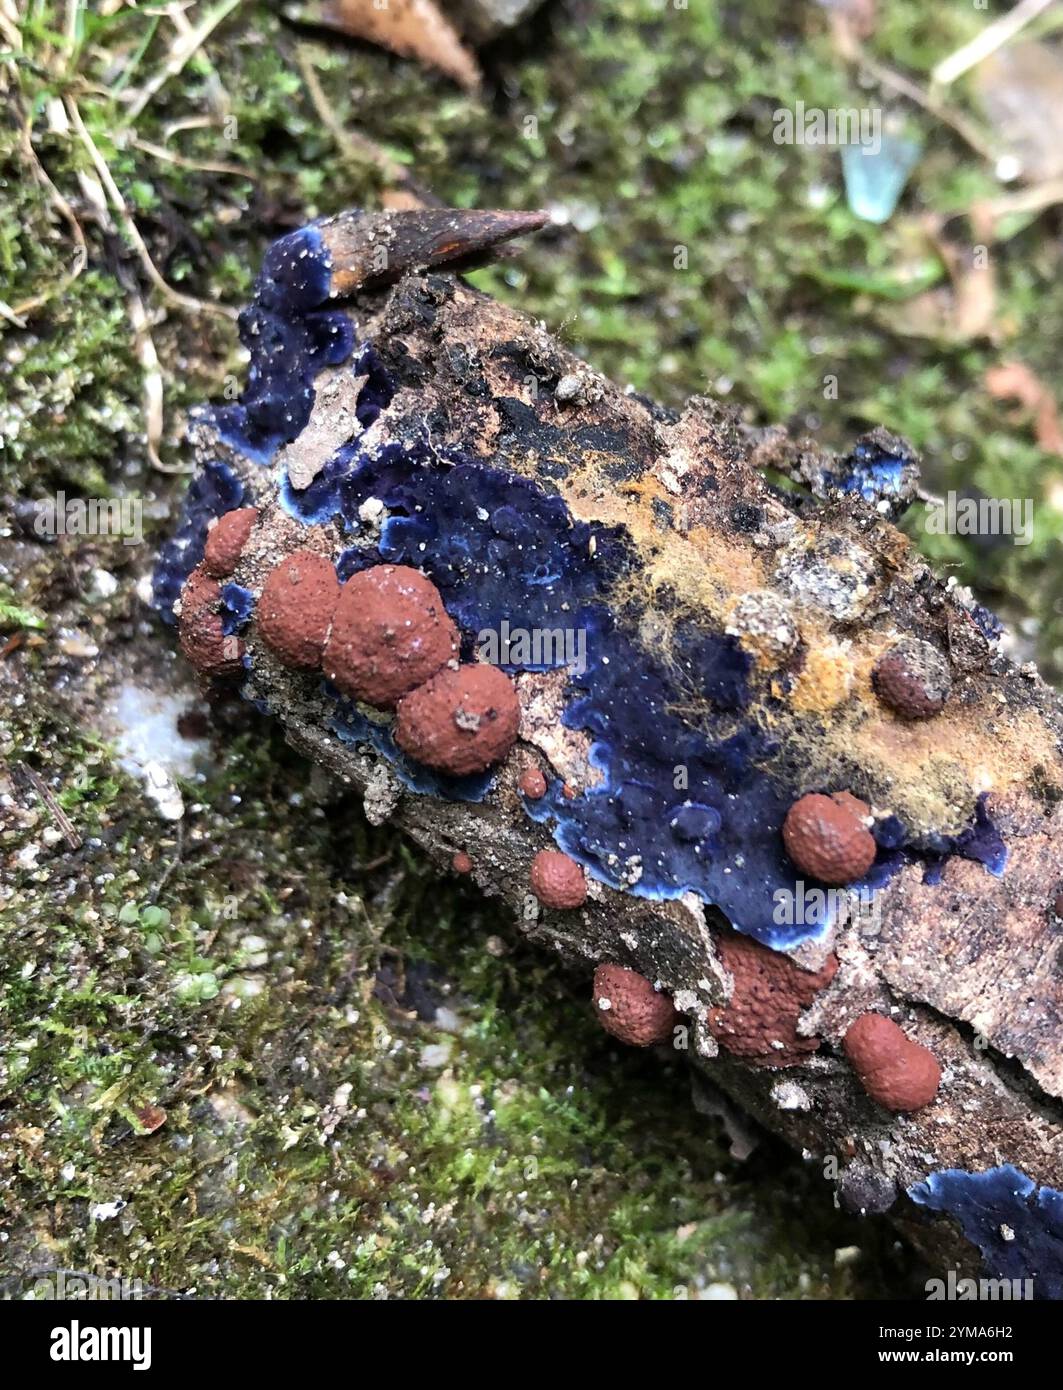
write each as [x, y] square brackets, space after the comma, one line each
[13, 614]
[280, 1003]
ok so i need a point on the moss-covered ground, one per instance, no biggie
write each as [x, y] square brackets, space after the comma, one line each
[305, 1066]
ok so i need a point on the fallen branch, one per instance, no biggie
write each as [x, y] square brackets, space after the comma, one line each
[767, 696]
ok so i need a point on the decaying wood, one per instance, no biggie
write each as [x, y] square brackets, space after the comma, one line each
[970, 967]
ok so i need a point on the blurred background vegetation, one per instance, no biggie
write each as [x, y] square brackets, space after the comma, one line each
[406, 1100]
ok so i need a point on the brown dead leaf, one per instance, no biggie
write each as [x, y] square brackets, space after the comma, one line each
[1014, 381]
[410, 28]
[973, 276]
[150, 1118]
[968, 307]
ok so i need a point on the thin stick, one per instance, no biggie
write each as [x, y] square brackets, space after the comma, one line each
[992, 37]
[148, 357]
[70, 36]
[1036, 199]
[180, 301]
[853, 51]
[159, 152]
[65, 824]
[9, 26]
[353, 146]
[183, 49]
[81, 253]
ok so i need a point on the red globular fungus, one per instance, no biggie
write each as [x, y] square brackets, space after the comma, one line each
[226, 540]
[533, 784]
[896, 1072]
[461, 863]
[296, 607]
[912, 679]
[390, 634]
[461, 721]
[199, 626]
[825, 837]
[558, 881]
[759, 1021]
[628, 1006]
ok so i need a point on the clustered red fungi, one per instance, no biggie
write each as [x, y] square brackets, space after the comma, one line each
[226, 540]
[390, 634]
[759, 1021]
[461, 863]
[461, 721]
[295, 611]
[628, 1007]
[558, 881]
[912, 679]
[532, 784]
[383, 637]
[826, 837]
[896, 1072]
[203, 640]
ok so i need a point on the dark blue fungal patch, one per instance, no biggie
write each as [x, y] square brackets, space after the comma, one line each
[981, 841]
[890, 832]
[1017, 1226]
[290, 339]
[989, 625]
[212, 492]
[880, 469]
[237, 605]
[379, 389]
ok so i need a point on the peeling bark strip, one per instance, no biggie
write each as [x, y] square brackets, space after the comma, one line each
[742, 647]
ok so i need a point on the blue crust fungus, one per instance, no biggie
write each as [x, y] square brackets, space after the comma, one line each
[289, 338]
[1017, 1226]
[882, 469]
[214, 491]
[688, 779]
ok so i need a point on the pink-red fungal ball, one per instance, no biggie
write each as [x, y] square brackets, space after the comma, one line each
[533, 784]
[226, 540]
[826, 837]
[770, 992]
[461, 721]
[628, 1007]
[390, 634]
[295, 611]
[895, 1071]
[199, 626]
[912, 679]
[558, 881]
